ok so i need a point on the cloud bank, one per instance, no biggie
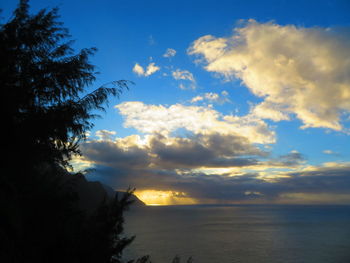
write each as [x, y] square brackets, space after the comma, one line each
[200, 155]
[163, 165]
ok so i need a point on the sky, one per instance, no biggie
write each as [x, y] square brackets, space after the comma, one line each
[232, 101]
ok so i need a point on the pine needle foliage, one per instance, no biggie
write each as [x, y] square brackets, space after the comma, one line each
[44, 86]
[47, 110]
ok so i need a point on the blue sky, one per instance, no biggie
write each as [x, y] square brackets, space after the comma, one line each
[270, 76]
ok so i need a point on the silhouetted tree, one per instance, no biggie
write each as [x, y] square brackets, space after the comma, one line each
[43, 87]
[46, 112]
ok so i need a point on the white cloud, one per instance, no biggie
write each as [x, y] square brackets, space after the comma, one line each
[140, 71]
[105, 135]
[151, 68]
[137, 69]
[197, 98]
[330, 152]
[184, 75]
[269, 110]
[196, 119]
[182, 86]
[169, 53]
[297, 70]
[212, 97]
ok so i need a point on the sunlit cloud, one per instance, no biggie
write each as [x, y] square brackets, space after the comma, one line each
[242, 188]
[269, 110]
[140, 71]
[186, 154]
[137, 69]
[298, 71]
[80, 163]
[166, 152]
[170, 52]
[184, 75]
[212, 169]
[196, 119]
[212, 97]
[105, 135]
[151, 68]
[330, 152]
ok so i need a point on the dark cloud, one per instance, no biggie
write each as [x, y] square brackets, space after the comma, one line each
[168, 164]
[111, 154]
[213, 150]
[325, 180]
[291, 159]
[222, 188]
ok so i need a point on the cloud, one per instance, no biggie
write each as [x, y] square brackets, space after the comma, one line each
[212, 97]
[105, 135]
[314, 184]
[164, 152]
[169, 53]
[123, 153]
[203, 150]
[330, 152]
[294, 158]
[184, 75]
[269, 110]
[196, 99]
[195, 119]
[298, 71]
[151, 68]
[207, 163]
[140, 71]
[207, 157]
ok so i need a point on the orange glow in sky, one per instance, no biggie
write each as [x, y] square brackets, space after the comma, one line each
[156, 197]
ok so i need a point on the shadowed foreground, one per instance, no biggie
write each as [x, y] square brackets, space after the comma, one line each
[46, 113]
[48, 213]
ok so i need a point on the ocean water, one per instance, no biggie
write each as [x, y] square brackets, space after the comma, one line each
[244, 234]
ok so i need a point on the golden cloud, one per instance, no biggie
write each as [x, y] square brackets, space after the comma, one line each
[159, 119]
[296, 70]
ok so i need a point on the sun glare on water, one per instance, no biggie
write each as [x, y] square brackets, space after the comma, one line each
[158, 198]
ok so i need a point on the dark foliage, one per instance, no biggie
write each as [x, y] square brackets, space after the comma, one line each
[46, 113]
[43, 84]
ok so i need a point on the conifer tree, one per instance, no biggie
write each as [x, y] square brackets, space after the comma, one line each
[44, 83]
[46, 112]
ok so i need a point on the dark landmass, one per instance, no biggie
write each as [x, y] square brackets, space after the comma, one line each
[111, 193]
[92, 194]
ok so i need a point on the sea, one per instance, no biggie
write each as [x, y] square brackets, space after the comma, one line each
[240, 233]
